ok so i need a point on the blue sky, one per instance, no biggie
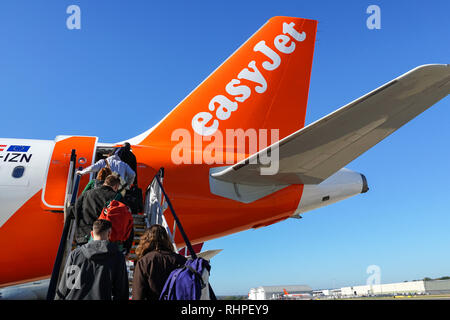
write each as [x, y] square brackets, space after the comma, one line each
[133, 61]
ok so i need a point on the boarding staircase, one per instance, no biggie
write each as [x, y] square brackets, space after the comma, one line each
[155, 205]
[68, 234]
[139, 228]
[67, 243]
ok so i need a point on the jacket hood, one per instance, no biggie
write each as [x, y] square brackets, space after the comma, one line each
[115, 156]
[98, 249]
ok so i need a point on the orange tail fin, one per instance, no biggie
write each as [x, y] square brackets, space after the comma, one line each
[262, 85]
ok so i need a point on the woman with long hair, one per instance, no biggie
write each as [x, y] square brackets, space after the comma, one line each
[156, 260]
[98, 182]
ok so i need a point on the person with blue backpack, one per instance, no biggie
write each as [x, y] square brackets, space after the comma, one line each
[156, 261]
[160, 272]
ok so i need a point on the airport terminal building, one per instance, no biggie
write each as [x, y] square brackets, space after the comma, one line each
[421, 287]
[412, 287]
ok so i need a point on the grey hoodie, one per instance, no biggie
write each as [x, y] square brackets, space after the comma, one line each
[94, 271]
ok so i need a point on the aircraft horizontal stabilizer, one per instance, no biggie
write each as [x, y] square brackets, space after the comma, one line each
[209, 254]
[312, 154]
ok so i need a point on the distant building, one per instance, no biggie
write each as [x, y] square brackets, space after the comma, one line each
[327, 293]
[410, 287]
[275, 292]
[429, 287]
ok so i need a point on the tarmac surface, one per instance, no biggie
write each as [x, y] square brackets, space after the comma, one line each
[418, 297]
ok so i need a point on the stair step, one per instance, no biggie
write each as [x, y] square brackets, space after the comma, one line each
[140, 225]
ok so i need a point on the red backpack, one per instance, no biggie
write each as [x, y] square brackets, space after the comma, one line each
[121, 219]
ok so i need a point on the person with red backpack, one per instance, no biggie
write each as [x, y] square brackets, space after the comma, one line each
[90, 204]
[122, 224]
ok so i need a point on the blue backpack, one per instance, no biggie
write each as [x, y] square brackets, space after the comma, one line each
[186, 282]
[190, 282]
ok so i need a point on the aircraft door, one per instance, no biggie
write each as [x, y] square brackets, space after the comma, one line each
[54, 191]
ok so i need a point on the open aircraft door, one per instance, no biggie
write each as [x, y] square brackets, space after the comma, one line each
[54, 191]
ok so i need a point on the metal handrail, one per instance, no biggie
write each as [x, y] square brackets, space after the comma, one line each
[180, 227]
[70, 184]
[175, 217]
[65, 243]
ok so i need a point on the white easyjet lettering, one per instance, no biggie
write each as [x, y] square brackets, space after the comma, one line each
[254, 76]
[205, 123]
[241, 93]
[281, 42]
[289, 29]
[199, 124]
[276, 60]
[225, 106]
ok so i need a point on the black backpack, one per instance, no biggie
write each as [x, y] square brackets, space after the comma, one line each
[133, 199]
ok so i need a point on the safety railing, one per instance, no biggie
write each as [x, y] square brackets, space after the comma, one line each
[158, 178]
[65, 244]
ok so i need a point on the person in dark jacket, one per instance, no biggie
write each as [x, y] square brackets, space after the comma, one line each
[156, 260]
[126, 155]
[133, 196]
[99, 180]
[96, 270]
[90, 204]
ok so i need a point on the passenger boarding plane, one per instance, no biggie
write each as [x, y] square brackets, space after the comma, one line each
[262, 86]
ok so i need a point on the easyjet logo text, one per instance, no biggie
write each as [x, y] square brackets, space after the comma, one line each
[220, 107]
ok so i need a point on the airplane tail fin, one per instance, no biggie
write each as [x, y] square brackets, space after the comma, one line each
[263, 85]
[285, 292]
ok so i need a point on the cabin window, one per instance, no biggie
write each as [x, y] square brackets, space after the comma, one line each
[18, 172]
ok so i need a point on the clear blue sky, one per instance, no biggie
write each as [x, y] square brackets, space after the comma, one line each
[133, 61]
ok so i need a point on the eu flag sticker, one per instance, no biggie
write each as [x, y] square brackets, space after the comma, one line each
[13, 148]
